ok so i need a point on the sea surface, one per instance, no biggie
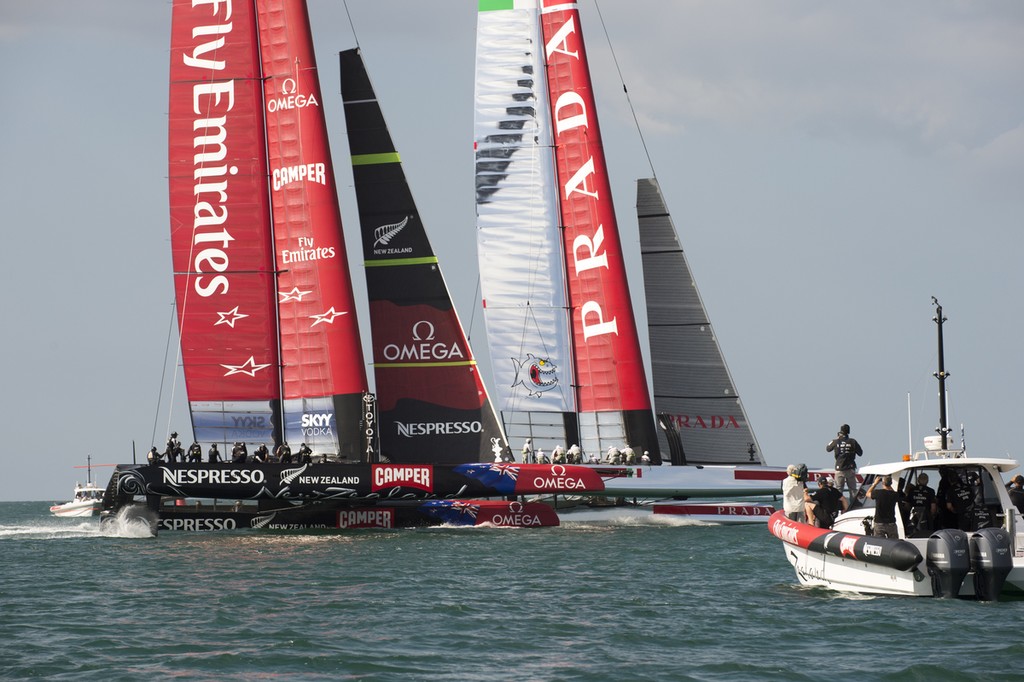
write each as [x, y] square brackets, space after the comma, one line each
[610, 600]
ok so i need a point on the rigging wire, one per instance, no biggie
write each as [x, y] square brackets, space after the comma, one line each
[351, 24]
[622, 80]
[163, 375]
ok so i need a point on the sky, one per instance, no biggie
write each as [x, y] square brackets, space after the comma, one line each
[829, 166]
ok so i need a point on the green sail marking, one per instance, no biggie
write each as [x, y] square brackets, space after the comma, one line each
[373, 159]
[490, 5]
[425, 260]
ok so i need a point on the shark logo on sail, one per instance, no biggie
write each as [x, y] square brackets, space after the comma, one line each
[536, 375]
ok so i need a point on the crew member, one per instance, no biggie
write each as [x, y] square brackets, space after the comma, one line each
[923, 506]
[847, 451]
[794, 493]
[213, 456]
[239, 453]
[885, 508]
[195, 452]
[261, 454]
[284, 453]
[306, 455]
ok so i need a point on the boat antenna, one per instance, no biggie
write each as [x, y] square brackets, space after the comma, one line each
[622, 80]
[941, 375]
[910, 429]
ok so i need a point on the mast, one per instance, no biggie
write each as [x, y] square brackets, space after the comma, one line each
[432, 404]
[941, 375]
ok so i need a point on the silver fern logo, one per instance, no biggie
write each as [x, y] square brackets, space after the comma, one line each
[385, 233]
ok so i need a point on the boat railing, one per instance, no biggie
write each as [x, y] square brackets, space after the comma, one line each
[925, 455]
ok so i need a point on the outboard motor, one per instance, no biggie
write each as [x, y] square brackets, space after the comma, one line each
[948, 561]
[991, 561]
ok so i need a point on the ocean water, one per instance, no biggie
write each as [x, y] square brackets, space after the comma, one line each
[619, 600]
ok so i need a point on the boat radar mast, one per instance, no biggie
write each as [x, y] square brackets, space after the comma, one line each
[941, 375]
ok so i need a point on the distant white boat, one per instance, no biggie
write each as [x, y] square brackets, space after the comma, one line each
[87, 500]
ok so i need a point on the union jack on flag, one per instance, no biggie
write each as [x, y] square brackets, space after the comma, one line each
[465, 509]
[506, 470]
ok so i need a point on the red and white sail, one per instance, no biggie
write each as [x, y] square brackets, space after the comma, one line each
[220, 222]
[322, 362]
[581, 245]
[267, 323]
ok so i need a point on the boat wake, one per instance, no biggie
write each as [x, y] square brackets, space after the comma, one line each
[50, 530]
[133, 521]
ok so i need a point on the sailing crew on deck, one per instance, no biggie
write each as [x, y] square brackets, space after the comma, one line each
[575, 454]
[847, 451]
[239, 453]
[213, 456]
[284, 453]
[195, 452]
[1016, 492]
[261, 454]
[645, 458]
[174, 448]
[558, 455]
[628, 455]
[153, 456]
[528, 451]
[306, 455]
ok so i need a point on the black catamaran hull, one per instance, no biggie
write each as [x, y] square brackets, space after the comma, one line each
[331, 495]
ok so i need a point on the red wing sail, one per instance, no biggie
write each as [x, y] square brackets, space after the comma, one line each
[323, 372]
[220, 223]
[431, 401]
[609, 365]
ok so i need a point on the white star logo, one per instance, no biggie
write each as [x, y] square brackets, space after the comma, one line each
[230, 317]
[248, 367]
[327, 317]
[294, 295]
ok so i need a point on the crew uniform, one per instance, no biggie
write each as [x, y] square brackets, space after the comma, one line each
[922, 505]
[886, 500]
[847, 451]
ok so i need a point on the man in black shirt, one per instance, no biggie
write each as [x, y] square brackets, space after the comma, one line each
[847, 451]
[885, 508]
[922, 505]
[1016, 491]
[829, 503]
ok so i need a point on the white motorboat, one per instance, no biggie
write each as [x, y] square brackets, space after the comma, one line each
[971, 547]
[86, 502]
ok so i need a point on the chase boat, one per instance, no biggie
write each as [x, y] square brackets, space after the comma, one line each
[979, 554]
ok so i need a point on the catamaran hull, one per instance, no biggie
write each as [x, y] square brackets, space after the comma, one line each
[204, 516]
[720, 513]
[719, 481]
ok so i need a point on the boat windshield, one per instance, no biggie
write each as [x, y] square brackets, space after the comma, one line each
[945, 496]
